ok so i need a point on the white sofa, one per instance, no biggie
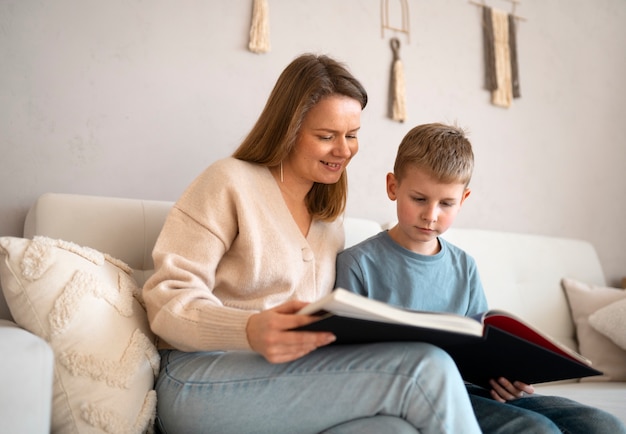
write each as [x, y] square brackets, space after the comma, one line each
[521, 273]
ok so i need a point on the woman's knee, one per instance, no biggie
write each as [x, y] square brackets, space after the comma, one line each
[430, 360]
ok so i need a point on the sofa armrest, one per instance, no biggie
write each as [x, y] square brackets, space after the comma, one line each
[26, 373]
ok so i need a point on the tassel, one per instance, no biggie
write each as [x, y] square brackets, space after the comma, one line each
[398, 86]
[503, 95]
[259, 29]
[491, 82]
[513, 51]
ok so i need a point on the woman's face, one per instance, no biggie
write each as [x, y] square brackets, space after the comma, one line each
[326, 142]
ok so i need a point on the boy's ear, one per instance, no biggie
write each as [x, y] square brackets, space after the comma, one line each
[392, 185]
[466, 193]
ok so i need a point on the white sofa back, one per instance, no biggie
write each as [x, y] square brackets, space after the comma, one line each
[124, 228]
[522, 274]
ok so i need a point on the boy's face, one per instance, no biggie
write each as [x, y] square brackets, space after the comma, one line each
[426, 208]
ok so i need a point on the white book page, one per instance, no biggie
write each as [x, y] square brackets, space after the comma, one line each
[345, 303]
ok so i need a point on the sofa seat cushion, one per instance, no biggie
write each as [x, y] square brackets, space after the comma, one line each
[584, 301]
[608, 396]
[84, 304]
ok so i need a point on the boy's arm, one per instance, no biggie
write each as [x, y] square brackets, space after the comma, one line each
[478, 300]
[503, 390]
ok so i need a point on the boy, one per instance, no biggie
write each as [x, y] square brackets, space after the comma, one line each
[430, 183]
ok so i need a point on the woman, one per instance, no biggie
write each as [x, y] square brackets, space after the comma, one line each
[248, 244]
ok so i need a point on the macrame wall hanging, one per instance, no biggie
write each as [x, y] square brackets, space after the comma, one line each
[260, 28]
[397, 85]
[500, 53]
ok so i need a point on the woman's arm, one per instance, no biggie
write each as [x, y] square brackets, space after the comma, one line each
[269, 333]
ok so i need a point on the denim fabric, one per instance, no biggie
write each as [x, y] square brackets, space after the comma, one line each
[537, 414]
[333, 389]
[380, 424]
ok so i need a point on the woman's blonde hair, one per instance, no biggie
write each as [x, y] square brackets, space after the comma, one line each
[303, 83]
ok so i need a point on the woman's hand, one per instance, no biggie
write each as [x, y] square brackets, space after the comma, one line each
[269, 335]
[503, 390]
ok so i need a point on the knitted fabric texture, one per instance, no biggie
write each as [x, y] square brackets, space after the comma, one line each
[84, 303]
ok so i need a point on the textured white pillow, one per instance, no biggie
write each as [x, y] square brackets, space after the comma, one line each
[606, 356]
[611, 322]
[85, 304]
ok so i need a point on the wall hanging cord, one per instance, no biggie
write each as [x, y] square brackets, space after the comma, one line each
[514, 4]
[404, 24]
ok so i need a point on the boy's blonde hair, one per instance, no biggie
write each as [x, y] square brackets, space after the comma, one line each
[442, 150]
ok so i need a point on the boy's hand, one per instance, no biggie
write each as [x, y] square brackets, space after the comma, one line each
[503, 390]
[269, 333]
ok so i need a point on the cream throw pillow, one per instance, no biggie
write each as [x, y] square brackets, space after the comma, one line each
[611, 321]
[84, 303]
[584, 300]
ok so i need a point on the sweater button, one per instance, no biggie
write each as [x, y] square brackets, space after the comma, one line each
[307, 254]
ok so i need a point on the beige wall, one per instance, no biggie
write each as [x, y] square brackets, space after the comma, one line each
[134, 97]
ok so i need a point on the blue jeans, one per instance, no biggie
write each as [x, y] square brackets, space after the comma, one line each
[395, 387]
[537, 414]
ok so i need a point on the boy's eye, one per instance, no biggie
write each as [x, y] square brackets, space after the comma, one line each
[418, 199]
[447, 203]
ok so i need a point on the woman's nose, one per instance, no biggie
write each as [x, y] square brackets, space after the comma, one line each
[344, 148]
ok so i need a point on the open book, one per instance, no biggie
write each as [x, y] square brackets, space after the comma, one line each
[494, 344]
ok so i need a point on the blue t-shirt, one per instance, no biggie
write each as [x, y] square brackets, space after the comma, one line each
[381, 269]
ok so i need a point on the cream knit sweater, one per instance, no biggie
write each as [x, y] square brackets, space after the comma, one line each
[230, 248]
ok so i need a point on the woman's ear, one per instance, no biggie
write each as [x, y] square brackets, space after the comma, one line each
[392, 186]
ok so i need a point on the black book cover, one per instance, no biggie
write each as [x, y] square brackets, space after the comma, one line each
[496, 354]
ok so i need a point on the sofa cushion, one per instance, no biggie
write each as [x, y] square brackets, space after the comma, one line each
[611, 322]
[85, 305]
[584, 300]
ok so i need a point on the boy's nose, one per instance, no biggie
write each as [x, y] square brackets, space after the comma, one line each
[430, 214]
